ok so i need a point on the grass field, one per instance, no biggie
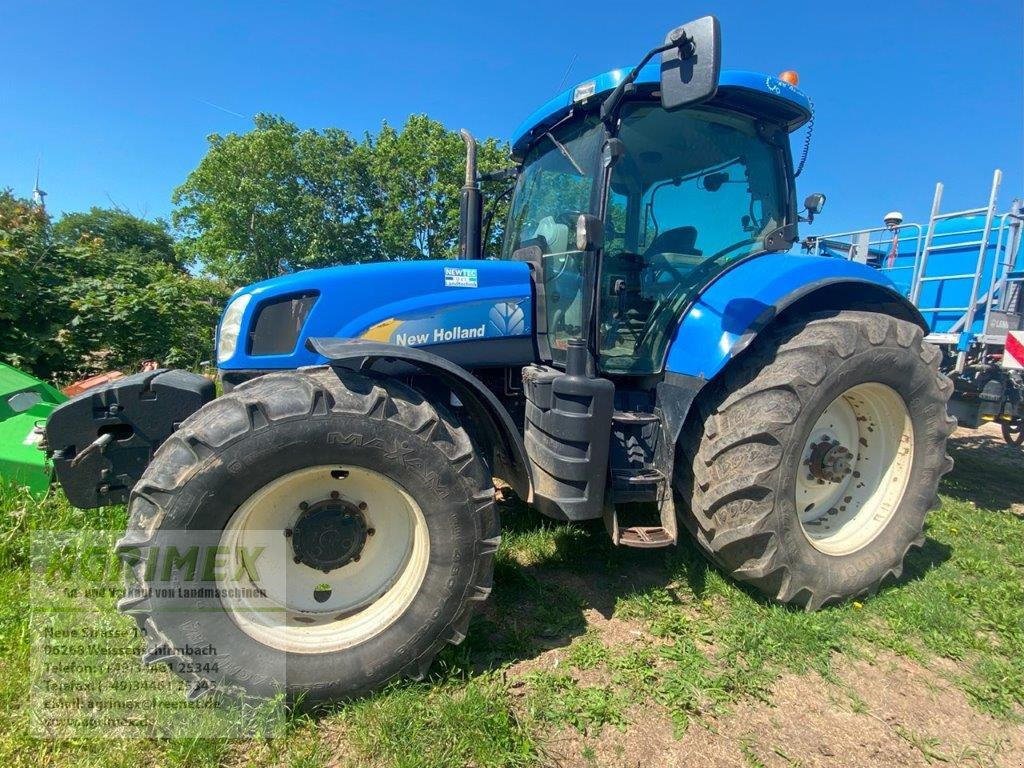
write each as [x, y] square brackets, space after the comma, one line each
[588, 655]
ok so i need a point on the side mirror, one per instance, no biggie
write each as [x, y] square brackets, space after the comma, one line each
[589, 233]
[690, 68]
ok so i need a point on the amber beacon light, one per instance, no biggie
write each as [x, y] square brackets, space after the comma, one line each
[790, 77]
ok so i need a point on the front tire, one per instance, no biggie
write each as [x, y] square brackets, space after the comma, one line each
[812, 460]
[375, 515]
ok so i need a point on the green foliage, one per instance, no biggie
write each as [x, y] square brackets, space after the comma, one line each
[105, 289]
[446, 725]
[278, 198]
[417, 174]
[130, 313]
[97, 290]
[27, 277]
[274, 200]
[559, 699]
[119, 232]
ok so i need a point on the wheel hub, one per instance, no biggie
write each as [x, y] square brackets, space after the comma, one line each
[829, 461]
[329, 534]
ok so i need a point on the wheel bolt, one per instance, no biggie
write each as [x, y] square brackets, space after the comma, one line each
[355, 559]
[303, 506]
[296, 559]
[287, 531]
[362, 506]
[370, 531]
[335, 494]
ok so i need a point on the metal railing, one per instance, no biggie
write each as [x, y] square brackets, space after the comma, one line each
[874, 246]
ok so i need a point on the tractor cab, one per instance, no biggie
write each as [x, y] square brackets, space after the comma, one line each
[627, 212]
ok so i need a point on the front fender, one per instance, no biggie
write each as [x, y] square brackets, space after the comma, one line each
[732, 310]
[510, 462]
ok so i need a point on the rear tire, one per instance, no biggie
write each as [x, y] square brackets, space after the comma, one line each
[811, 462]
[391, 483]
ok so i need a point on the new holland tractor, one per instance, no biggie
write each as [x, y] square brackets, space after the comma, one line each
[644, 350]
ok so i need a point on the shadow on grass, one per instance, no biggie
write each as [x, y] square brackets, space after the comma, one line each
[920, 561]
[986, 471]
[570, 568]
[540, 606]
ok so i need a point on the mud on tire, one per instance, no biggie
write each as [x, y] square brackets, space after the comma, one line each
[282, 423]
[743, 447]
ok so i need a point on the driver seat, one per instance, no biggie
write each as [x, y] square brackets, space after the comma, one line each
[676, 240]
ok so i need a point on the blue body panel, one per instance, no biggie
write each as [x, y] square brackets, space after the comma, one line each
[716, 326]
[730, 80]
[413, 303]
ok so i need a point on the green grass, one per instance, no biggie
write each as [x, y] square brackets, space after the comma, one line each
[690, 643]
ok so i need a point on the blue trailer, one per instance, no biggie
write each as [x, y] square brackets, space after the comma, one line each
[963, 272]
[645, 350]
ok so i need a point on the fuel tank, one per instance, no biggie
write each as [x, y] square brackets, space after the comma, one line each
[476, 313]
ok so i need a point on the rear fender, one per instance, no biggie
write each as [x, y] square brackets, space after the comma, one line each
[510, 463]
[734, 309]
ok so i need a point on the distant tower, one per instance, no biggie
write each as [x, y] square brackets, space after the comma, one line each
[38, 195]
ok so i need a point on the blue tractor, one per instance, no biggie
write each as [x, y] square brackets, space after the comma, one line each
[645, 350]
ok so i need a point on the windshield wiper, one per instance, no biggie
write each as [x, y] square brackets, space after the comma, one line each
[565, 153]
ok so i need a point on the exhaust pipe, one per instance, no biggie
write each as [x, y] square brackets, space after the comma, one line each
[470, 205]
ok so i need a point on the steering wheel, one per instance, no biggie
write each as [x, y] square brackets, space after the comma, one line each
[668, 267]
[696, 272]
[695, 277]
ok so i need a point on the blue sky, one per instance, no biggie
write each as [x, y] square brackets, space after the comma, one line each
[117, 98]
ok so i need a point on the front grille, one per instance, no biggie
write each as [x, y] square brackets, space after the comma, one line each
[278, 324]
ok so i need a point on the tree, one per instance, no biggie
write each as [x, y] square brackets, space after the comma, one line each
[278, 199]
[120, 232]
[27, 278]
[273, 200]
[417, 174]
[135, 312]
[74, 305]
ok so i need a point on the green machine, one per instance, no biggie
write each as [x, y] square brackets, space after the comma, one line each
[25, 404]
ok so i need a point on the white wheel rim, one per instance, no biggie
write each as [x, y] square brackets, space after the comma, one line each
[363, 597]
[854, 468]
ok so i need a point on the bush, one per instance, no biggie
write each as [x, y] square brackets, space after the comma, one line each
[99, 290]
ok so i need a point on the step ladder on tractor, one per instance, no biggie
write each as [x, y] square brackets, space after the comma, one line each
[963, 272]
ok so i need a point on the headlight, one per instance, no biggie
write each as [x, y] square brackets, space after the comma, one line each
[230, 326]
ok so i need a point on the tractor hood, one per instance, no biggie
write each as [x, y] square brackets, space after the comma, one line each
[433, 304]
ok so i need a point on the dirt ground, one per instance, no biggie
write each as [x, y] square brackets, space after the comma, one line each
[889, 711]
[988, 442]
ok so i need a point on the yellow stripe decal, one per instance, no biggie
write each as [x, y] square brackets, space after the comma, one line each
[381, 331]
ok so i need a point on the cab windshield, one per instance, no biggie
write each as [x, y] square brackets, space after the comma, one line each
[555, 186]
[696, 190]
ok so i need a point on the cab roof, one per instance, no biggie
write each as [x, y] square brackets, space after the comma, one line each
[748, 91]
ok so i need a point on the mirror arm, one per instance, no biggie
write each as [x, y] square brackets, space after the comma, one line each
[610, 107]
